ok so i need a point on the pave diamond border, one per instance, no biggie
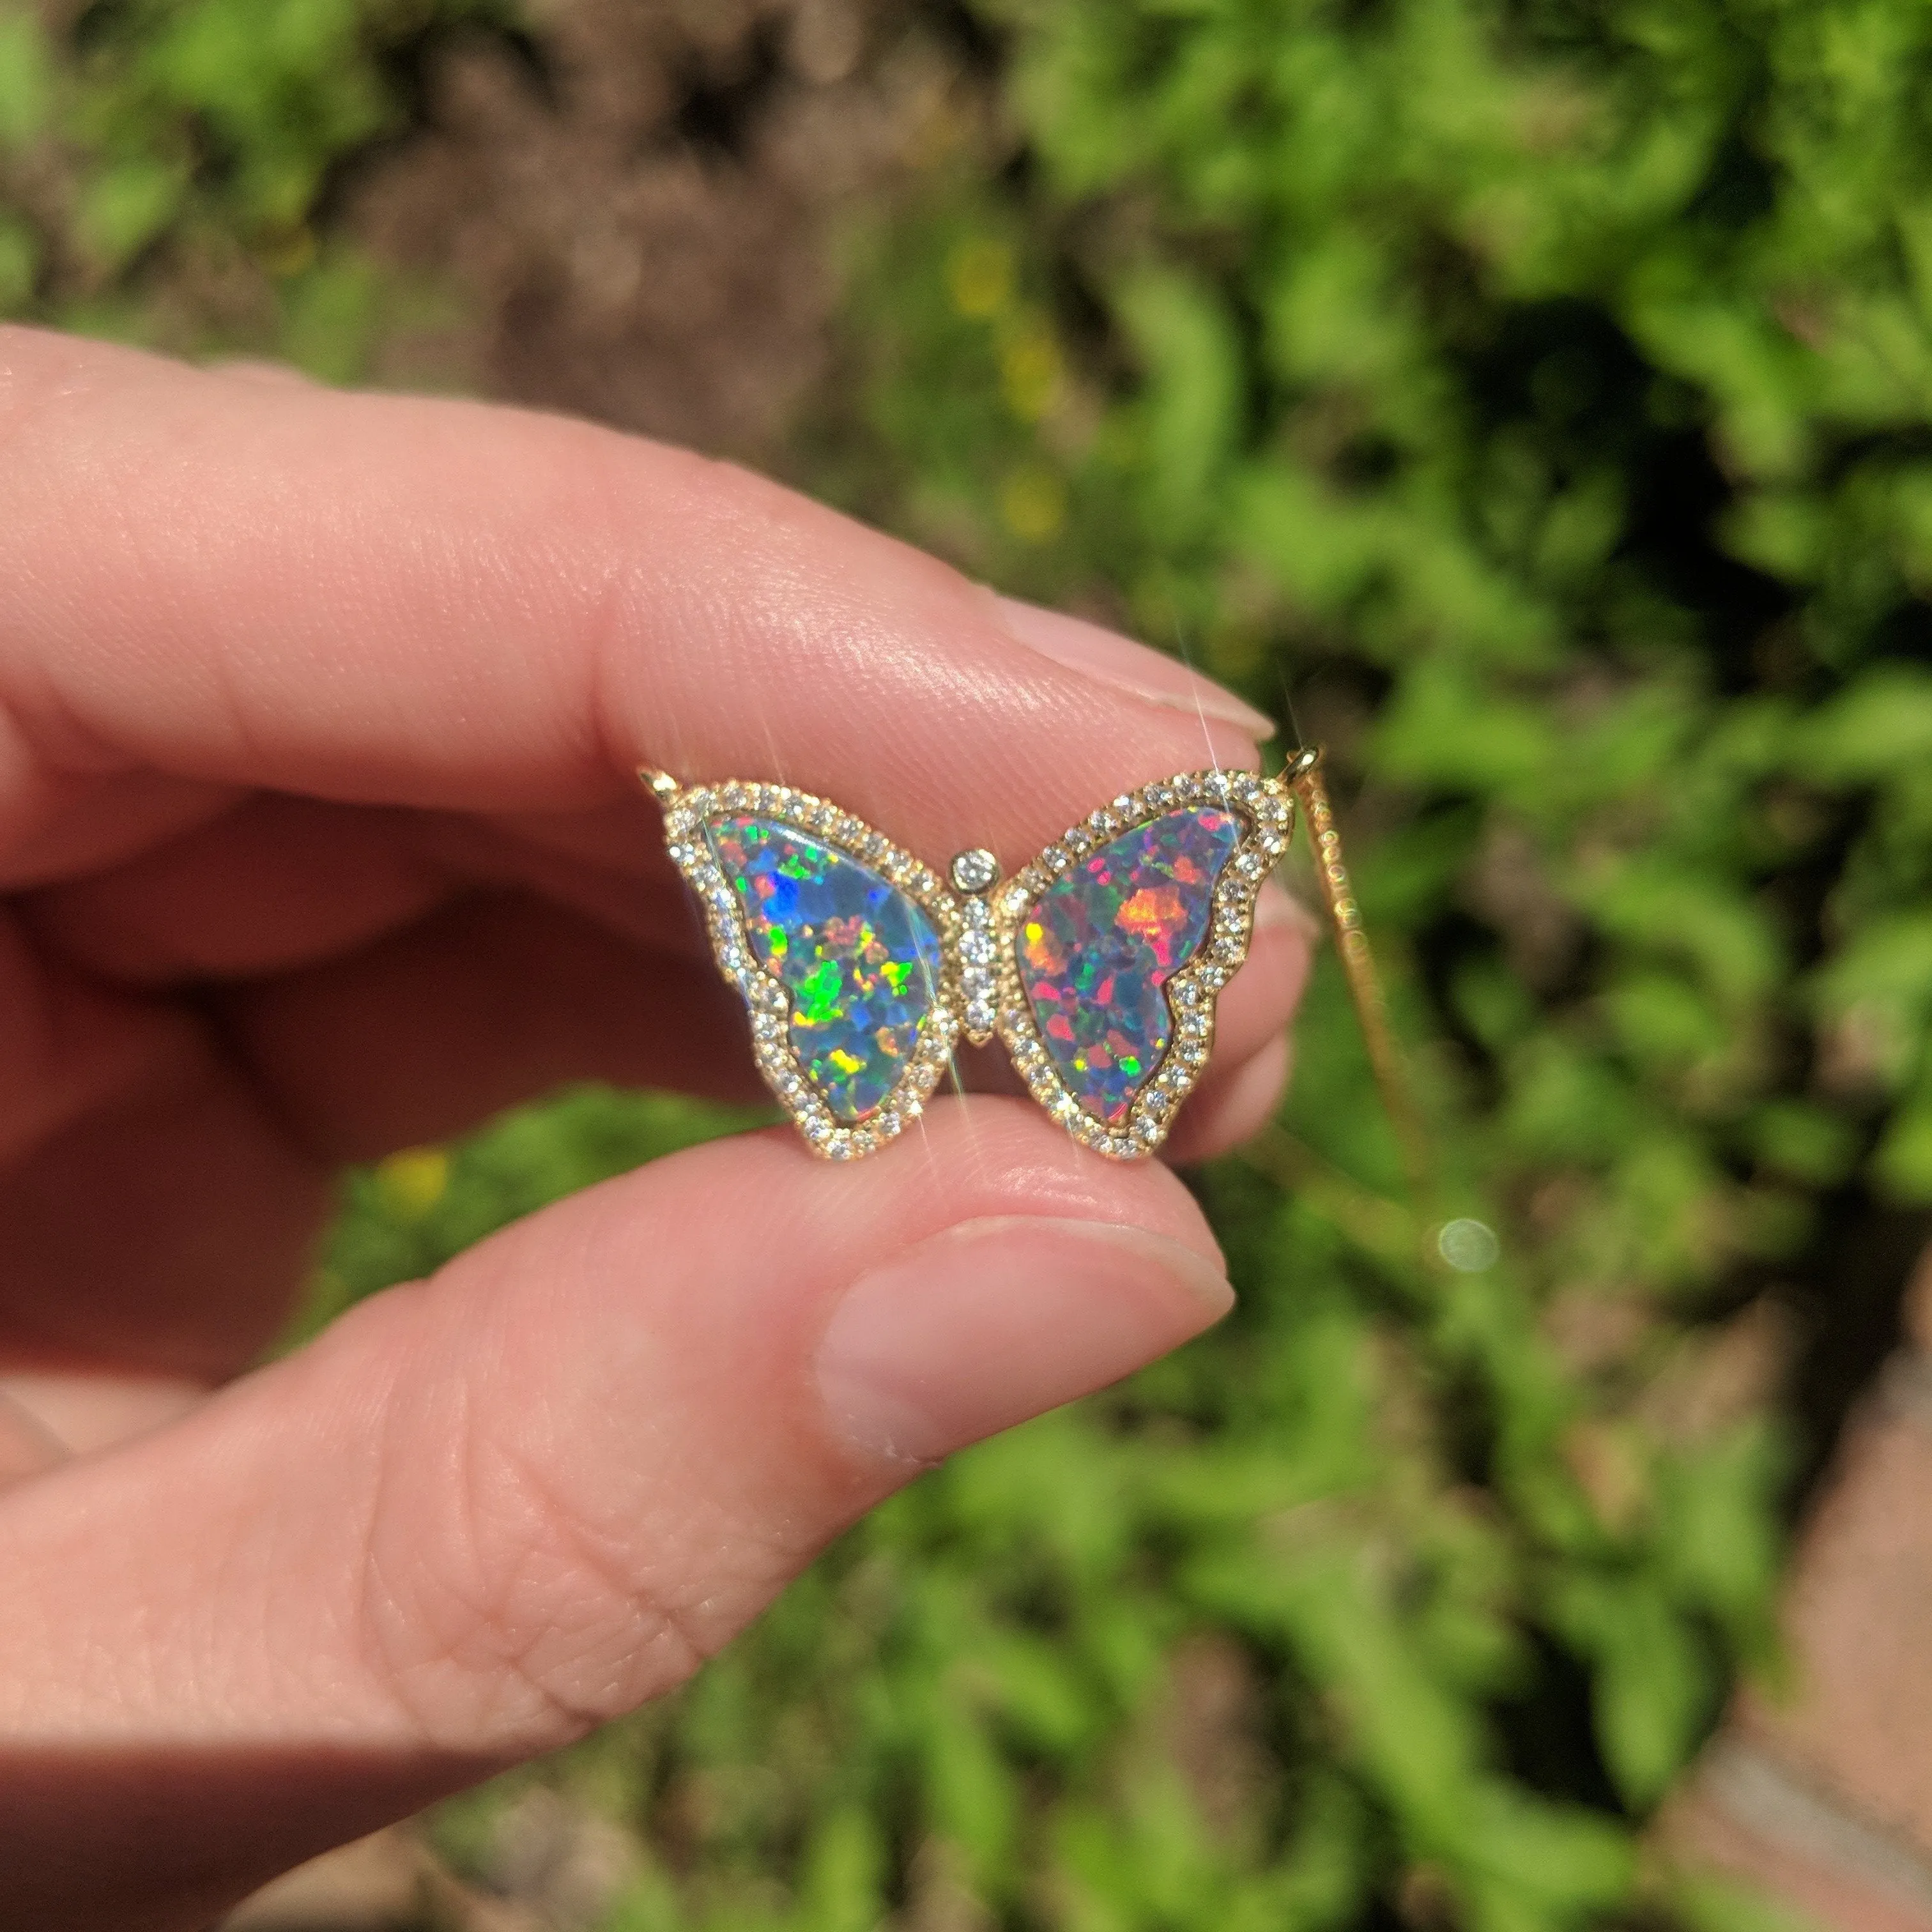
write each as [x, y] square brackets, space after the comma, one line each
[765, 996]
[1266, 808]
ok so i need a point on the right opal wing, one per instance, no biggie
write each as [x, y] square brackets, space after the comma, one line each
[1097, 948]
[1119, 939]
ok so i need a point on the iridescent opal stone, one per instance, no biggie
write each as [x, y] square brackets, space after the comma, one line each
[860, 960]
[1098, 945]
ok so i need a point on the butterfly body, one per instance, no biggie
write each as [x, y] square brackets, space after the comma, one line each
[1097, 964]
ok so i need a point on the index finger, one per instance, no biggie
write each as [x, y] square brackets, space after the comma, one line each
[445, 604]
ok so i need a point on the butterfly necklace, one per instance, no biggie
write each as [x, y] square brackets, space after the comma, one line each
[1097, 964]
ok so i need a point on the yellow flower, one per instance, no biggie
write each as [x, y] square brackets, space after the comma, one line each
[411, 1183]
[1032, 502]
[1030, 368]
[980, 276]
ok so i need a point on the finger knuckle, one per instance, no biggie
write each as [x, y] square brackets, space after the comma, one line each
[496, 1615]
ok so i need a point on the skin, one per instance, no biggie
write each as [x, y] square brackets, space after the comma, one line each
[319, 838]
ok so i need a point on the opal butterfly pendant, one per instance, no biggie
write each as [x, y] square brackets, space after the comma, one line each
[1098, 964]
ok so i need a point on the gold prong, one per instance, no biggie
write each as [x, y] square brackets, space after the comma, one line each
[661, 785]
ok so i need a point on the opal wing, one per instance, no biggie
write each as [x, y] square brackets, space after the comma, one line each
[1119, 938]
[837, 942]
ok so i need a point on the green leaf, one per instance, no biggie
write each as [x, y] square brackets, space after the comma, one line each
[20, 265]
[1879, 727]
[1653, 1690]
[1530, 1861]
[126, 204]
[1445, 728]
[973, 1792]
[1718, 1531]
[1193, 403]
[1707, 1903]
[1804, 1141]
[1902, 1163]
[26, 77]
[1884, 973]
[839, 1889]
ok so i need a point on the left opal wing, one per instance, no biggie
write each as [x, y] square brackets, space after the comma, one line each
[1118, 940]
[860, 959]
[837, 941]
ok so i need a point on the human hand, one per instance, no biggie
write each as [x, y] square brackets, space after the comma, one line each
[318, 715]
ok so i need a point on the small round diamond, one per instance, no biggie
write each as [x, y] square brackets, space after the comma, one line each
[974, 871]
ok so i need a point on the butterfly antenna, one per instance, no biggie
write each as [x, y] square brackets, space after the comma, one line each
[1386, 1062]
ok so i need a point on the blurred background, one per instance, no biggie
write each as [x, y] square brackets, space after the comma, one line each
[1538, 390]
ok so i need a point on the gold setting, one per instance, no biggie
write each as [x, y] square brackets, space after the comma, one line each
[981, 996]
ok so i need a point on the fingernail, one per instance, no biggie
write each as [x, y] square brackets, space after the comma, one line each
[997, 1320]
[1148, 674]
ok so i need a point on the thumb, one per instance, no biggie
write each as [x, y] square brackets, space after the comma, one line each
[485, 1512]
